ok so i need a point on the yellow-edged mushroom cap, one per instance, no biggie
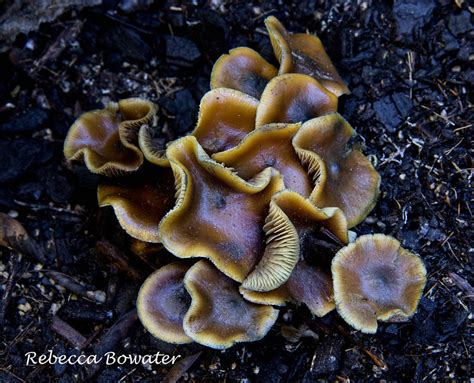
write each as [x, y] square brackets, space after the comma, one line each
[140, 201]
[292, 98]
[375, 278]
[218, 215]
[162, 303]
[304, 53]
[107, 139]
[344, 177]
[225, 118]
[219, 317]
[267, 146]
[296, 266]
[242, 69]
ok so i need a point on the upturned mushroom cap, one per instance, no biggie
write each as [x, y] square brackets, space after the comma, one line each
[242, 69]
[307, 284]
[153, 150]
[217, 215]
[375, 278]
[298, 232]
[219, 317]
[225, 117]
[140, 201]
[304, 53]
[162, 303]
[107, 139]
[344, 177]
[267, 146]
[294, 98]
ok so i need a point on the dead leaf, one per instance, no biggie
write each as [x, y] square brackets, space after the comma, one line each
[14, 236]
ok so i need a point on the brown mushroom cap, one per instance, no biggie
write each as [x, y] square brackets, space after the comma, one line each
[318, 234]
[225, 117]
[294, 98]
[304, 53]
[375, 278]
[344, 177]
[163, 302]
[107, 139]
[217, 215]
[267, 146]
[242, 69]
[140, 201]
[219, 317]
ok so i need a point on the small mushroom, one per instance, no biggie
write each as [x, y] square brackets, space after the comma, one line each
[107, 139]
[140, 201]
[304, 53]
[302, 236]
[225, 117]
[294, 98]
[242, 69]
[343, 176]
[219, 317]
[163, 302]
[375, 278]
[218, 215]
[267, 146]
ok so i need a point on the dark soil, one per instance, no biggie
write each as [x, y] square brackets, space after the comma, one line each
[409, 66]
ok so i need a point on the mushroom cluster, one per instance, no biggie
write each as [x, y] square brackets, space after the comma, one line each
[262, 192]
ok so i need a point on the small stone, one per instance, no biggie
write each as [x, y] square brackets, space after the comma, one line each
[459, 24]
[24, 307]
[412, 15]
[13, 213]
[387, 113]
[183, 107]
[403, 103]
[32, 120]
[19, 156]
[181, 51]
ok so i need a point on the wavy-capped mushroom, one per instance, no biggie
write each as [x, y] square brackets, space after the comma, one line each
[218, 215]
[140, 201]
[306, 237]
[225, 118]
[107, 139]
[267, 146]
[163, 302]
[344, 177]
[242, 69]
[219, 317]
[375, 278]
[292, 98]
[304, 53]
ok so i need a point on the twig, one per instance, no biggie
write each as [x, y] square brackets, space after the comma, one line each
[70, 334]
[111, 339]
[6, 296]
[118, 259]
[178, 370]
[70, 284]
